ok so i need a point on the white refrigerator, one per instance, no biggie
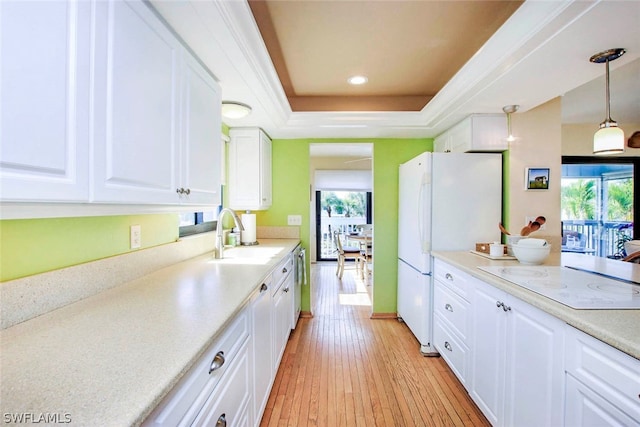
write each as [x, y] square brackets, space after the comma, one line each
[447, 202]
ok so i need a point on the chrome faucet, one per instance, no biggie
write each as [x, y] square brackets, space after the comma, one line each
[219, 240]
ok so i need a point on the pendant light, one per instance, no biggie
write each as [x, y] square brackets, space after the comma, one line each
[510, 109]
[610, 138]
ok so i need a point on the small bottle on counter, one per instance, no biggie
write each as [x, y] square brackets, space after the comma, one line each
[234, 237]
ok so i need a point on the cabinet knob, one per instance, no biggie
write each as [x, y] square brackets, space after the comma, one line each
[448, 307]
[284, 270]
[285, 290]
[263, 288]
[447, 346]
[222, 421]
[217, 361]
[448, 276]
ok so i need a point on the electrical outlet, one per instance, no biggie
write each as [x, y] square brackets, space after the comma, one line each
[135, 236]
[294, 220]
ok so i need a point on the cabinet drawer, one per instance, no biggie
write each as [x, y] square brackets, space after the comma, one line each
[229, 403]
[454, 278]
[280, 272]
[452, 309]
[182, 404]
[454, 353]
[584, 407]
[607, 371]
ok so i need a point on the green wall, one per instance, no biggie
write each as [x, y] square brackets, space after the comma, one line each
[291, 195]
[32, 246]
[35, 246]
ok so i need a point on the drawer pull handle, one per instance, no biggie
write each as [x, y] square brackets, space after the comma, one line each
[447, 346]
[217, 361]
[448, 276]
[222, 421]
[448, 307]
[505, 308]
[263, 288]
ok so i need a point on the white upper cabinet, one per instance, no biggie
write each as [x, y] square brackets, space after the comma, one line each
[158, 124]
[201, 141]
[249, 169]
[478, 132]
[44, 102]
[102, 103]
[136, 107]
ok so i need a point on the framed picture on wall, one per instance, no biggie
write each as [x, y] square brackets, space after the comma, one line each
[537, 178]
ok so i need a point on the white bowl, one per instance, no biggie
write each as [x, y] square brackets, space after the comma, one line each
[531, 255]
[632, 246]
[512, 240]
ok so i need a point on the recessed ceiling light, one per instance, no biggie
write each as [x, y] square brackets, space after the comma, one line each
[357, 80]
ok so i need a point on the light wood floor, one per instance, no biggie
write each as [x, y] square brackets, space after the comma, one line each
[342, 368]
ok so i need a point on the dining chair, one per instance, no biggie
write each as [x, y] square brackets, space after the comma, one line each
[634, 257]
[345, 253]
[366, 259]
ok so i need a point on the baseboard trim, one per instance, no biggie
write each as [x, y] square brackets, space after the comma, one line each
[384, 316]
[306, 315]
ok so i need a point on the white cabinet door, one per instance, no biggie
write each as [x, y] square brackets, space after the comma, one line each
[201, 136]
[136, 91]
[586, 408]
[262, 347]
[249, 169]
[282, 301]
[534, 393]
[44, 116]
[265, 171]
[488, 351]
[517, 372]
[478, 132]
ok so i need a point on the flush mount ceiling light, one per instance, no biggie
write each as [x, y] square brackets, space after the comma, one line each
[357, 80]
[610, 138]
[510, 109]
[235, 110]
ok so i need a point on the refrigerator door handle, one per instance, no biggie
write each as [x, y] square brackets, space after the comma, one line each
[424, 244]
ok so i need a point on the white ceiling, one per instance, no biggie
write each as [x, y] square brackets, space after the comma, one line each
[541, 52]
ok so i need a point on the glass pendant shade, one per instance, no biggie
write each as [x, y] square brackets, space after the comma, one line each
[608, 140]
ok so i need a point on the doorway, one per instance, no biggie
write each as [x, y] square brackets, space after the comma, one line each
[341, 212]
[599, 204]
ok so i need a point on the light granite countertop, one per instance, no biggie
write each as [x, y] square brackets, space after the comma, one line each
[618, 328]
[110, 359]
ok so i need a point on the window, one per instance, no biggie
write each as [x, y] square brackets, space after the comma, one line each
[598, 201]
[197, 222]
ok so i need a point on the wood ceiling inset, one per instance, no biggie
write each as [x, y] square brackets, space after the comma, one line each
[408, 49]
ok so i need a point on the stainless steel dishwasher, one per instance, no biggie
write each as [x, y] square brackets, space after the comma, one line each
[300, 263]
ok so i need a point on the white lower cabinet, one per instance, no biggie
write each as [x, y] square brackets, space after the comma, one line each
[229, 406]
[517, 376]
[261, 336]
[452, 319]
[282, 301]
[603, 384]
[218, 381]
